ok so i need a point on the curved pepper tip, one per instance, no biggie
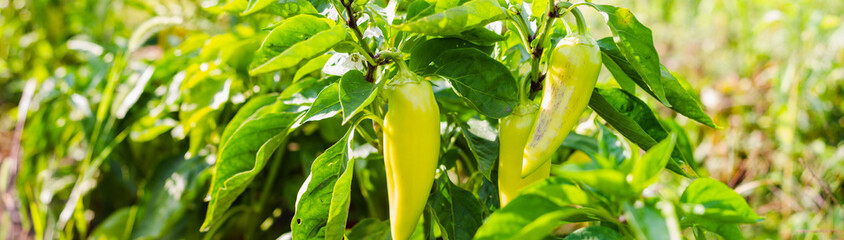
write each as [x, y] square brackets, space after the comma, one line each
[530, 164]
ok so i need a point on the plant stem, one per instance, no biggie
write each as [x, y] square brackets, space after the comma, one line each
[581, 23]
[524, 31]
[352, 21]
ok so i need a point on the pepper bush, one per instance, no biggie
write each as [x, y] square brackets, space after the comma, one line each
[263, 119]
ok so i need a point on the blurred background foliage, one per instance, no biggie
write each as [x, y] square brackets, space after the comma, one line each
[770, 72]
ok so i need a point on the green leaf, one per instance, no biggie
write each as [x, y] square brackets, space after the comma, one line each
[508, 221]
[729, 231]
[473, 14]
[485, 83]
[635, 121]
[245, 113]
[624, 81]
[559, 190]
[169, 193]
[483, 141]
[684, 145]
[681, 101]
[609, 148]
[234, 6]
[708, 198]
[488, 192]
[647, 222]
[203, 91]
[594, 233]
[313, 65]
[326, 105]
[606, 181]
[481, 36]
[543, 225]
[623, 71]
[296, 39]
[305, 92]
[585, 144]
[356, 93]
[635, 41]
[244, 156]
[539, 208]
[323, 202]
[646, 170]
[538, 8]
[370, 229]
[458, 211]
[426, 52]
[115, 225]
[284, 8]
[418, 9]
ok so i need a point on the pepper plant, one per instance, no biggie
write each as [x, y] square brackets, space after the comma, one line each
[357, 119]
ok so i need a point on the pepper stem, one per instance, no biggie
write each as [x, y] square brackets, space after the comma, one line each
[581, 23]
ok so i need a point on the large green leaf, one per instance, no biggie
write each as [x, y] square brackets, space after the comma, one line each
[585, 144]
[605, 181]
[708, 198]
[326, 105]
[485, 83]
[483, 141]
[114, 226]
[458, 211]
[648, 222]
[296, 39]
[646, 170]
[634, 119]
[539, 208]
[635, 42]
[680, 99]
[244, 156]
[510, 220]
[203, 91]
[170, 192]
[559, 190]
[323, 202]
[315, 64]
[304, 93]
[248, 110]
[481, 36]
[609, 148]
[284, 8]
[370, 229]
[426, 52]
[356, 93]
[729, 231]
[454, 20]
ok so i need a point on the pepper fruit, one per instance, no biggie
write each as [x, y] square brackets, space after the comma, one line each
[411, 148]
[572, 72]
[513, 131]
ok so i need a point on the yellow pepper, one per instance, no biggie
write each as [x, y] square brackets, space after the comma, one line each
[411, 148]
[572, 72]
[513, 131]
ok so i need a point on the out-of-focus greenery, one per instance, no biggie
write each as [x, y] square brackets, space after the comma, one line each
[771, 73]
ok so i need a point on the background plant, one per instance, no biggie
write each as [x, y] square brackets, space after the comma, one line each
[129, 112]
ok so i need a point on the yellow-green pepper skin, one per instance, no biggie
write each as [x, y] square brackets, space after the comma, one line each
[513, 132]
[572, 72]
[411, 149]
